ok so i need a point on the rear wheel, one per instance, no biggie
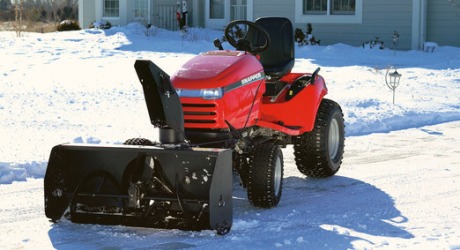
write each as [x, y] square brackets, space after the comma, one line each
[265, 175]
[138, 141]
[319, 153]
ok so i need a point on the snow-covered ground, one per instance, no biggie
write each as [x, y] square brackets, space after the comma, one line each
[398, 186]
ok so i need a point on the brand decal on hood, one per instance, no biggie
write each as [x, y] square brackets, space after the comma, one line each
[244, 81]
[252, 78]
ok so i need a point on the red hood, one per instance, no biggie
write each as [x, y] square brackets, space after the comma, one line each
[216, 69]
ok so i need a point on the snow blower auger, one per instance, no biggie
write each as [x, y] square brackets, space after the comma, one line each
[222, 111]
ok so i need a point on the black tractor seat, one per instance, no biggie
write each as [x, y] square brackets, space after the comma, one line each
[278, 59]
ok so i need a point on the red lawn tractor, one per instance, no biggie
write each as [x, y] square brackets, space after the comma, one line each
[223, 111]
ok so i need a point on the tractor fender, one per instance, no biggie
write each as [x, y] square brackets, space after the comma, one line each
[320, 90]
[296, 115]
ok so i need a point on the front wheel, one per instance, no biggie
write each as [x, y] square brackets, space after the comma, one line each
[265, 175]
[319, 153]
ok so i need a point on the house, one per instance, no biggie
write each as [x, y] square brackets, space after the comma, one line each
[334, 21]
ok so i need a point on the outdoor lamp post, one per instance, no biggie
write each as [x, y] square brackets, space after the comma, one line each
[392, 80]
[395, 39]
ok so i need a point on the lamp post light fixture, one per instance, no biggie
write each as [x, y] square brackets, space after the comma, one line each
[392, 80]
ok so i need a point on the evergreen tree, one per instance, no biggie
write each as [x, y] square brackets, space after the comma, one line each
[5, 5]
[6, 12]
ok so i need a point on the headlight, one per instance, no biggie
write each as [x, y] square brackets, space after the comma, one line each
[211, 94]
[208, 94]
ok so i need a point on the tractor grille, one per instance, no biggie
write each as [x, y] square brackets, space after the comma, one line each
[197, 113]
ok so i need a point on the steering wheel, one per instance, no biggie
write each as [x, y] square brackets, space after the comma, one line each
[245, 43]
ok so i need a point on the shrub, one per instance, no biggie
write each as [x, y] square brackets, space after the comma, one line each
[100, 25]
[374, 43]
[305, 39]
[68, 25]
[299, 35]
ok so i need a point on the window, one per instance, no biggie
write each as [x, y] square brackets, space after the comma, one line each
[141, 9]
[328, 11]
[333, 7]
[318, 7]
[111, 8]
[343, 7]
[217, 9]
[238, 10]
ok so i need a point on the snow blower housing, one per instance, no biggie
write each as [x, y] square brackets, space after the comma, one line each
[171, 185]
[221, 111]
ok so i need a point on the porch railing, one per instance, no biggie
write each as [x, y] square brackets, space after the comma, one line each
[165, 17]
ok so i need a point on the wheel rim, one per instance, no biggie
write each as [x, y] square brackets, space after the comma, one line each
[334, 139]
[277, 177]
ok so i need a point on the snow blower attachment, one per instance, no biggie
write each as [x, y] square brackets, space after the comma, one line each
[169, 185]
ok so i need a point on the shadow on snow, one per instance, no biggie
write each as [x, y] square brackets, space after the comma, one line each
[314, 213]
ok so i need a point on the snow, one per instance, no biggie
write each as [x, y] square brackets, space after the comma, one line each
[397, 188]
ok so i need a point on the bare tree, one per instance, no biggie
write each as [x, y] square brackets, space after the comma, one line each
[18, 11]
[27, 13]
[55, 6]
[61, 9]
